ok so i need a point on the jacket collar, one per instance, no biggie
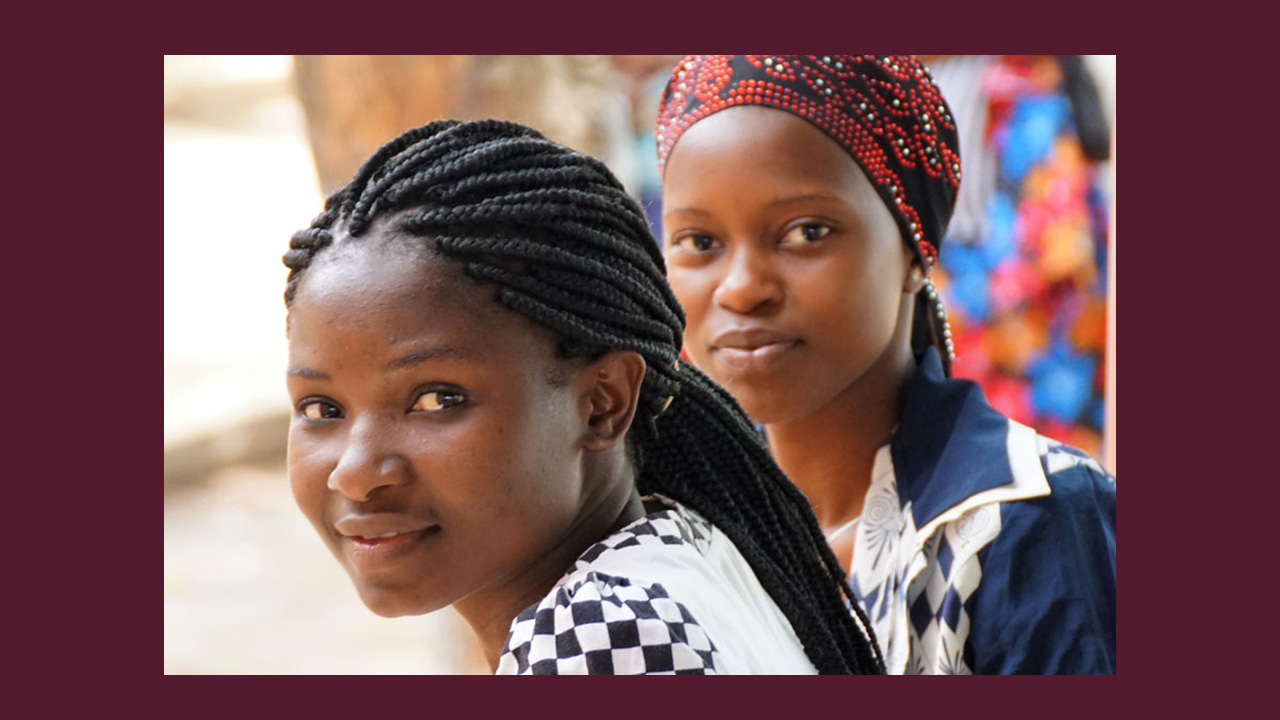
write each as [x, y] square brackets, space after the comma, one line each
[951, 445]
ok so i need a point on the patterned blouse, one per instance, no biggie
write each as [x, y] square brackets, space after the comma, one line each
[668, 594]
[984, 547]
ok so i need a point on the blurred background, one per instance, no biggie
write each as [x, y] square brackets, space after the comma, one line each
[252, 144]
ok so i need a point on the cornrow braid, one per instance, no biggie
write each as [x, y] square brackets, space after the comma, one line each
[567, 247]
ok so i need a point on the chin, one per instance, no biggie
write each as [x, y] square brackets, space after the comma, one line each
[780, 402]
[391, 602]
[765, 406]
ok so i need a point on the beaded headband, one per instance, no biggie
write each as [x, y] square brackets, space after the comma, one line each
[885, 110]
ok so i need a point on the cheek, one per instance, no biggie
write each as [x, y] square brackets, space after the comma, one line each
[513, 461]
[849, 302]
[308, 475]
[297, 453]
[693, 285]
[694, 289]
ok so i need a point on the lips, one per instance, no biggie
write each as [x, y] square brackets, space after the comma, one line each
[384, 539]
[379, 526]
[753, 348]
[374, 536]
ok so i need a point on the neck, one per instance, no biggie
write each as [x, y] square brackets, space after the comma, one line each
[490, 610]
[829, 453]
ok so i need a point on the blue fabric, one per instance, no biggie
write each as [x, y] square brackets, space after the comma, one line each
[950, 443]
[1047, 602]
[1047, 597]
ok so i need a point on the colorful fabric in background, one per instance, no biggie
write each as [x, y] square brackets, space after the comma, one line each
[1024, 266]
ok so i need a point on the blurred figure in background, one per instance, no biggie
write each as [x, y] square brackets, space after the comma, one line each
[1025, 277]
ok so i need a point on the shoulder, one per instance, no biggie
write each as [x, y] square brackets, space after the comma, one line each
[1081, 498]
[600, 624]
[1068, 534]
[1049, 576]
[677, 528]
[1064, 463]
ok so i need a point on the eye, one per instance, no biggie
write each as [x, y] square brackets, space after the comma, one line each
[694, 242]
[319, 410]
[805, 234]
[436, 400]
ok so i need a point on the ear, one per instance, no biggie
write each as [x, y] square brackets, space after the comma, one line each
[610, 393]
[914, 280]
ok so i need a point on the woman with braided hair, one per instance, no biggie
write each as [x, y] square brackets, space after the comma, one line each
[804, 201]
[490, 412]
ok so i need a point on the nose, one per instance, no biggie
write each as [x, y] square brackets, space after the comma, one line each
[751, 283]
[368, 462]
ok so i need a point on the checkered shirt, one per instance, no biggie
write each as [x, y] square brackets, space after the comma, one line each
[598, 624]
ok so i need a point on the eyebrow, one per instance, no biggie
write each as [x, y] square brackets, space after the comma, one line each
[308, 373]
[802, 198]
[400, 363]
[421, 356]
[691, 210]
[779, 201]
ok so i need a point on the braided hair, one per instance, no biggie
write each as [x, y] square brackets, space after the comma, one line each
[568, 248]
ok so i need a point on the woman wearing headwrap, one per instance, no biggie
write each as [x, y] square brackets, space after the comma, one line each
[805, 198]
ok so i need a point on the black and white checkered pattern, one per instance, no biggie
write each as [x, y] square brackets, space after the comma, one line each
[601, 624]
[604, 625]
[667, 527]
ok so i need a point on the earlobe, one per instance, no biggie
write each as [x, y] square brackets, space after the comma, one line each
[915, 280]
[612, 394]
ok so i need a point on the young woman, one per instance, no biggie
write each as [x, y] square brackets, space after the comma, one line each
[804, 200]
[484, 368]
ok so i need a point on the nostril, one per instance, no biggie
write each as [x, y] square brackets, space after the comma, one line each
[749, 286]
[748, 299]
[360, 474]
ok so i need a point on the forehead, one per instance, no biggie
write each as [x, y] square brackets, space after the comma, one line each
[381, 286]
[760, 144]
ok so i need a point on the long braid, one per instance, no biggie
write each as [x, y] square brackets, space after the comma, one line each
[567, 247]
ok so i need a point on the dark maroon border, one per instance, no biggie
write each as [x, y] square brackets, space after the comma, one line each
[106, 112]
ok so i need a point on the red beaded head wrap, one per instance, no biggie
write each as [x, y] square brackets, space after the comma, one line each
[884, 110]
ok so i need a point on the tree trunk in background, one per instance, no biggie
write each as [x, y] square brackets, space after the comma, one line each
[355, 103]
